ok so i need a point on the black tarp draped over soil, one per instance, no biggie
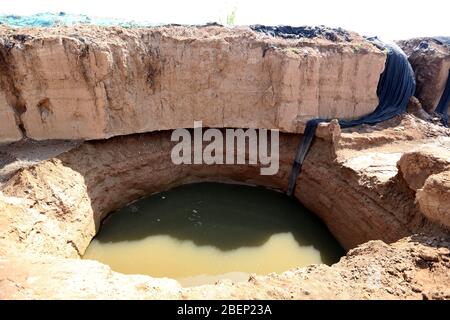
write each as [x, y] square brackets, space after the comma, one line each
[396, 86]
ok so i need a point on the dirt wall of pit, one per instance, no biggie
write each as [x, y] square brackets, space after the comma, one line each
[88, 82]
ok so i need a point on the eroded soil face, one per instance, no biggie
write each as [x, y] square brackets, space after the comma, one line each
[430, 59]
[88, 82]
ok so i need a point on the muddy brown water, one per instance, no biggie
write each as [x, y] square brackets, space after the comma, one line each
[200, 233]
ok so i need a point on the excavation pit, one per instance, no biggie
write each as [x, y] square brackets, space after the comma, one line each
[53, 209]
[201, 233]
[117, 95]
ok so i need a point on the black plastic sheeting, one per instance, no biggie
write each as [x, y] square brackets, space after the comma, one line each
[396, 86]
[303, 147]
[442, 107]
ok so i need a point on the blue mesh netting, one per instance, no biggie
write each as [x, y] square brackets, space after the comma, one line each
[62, 18]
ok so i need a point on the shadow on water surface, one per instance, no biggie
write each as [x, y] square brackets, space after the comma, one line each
[221, 215]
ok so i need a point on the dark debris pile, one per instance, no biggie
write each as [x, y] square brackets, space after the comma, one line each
[424, 44]
[288, 32]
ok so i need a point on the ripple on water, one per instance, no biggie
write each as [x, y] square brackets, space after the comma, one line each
[204, 232]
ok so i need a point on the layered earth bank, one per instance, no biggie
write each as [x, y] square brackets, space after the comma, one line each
[382, 190]
[88, 82]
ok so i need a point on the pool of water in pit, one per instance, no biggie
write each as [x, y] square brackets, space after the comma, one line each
[201, 233]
